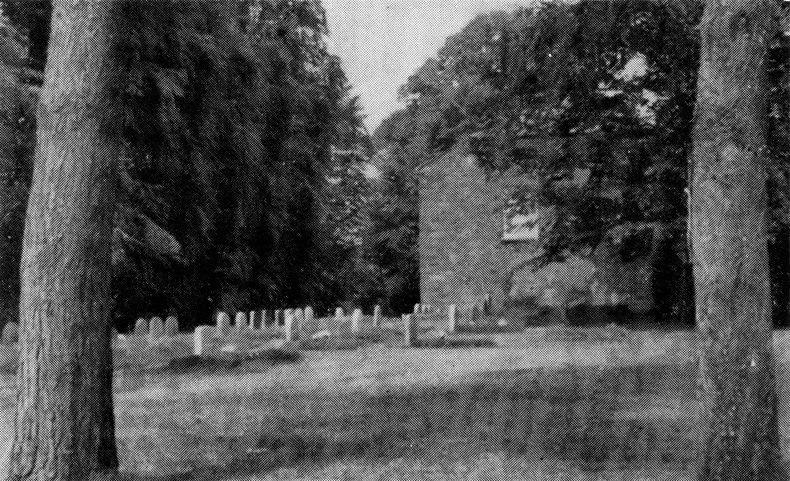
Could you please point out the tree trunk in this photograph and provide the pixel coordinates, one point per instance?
(64, 420)
(729, 226)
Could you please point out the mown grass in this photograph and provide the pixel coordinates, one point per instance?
(597, 420)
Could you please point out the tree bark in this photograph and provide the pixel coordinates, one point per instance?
(64, 420)
(729, 227)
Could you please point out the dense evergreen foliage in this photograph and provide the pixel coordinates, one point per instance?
(230, 115)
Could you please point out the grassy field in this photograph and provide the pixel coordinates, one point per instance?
(564, 404)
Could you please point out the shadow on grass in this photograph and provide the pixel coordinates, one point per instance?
(596, 419)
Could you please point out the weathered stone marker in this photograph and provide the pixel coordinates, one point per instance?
(309, 315)
(409, 330)
(291, 326)
(356, 321)
(201, 339)
(141, 327)
(278, 317)
(156, 328)
(417, 308)
(240, 322)
(171, 326)
(138, 339)
(377, 316)
(252, 319)
(452, 318)
(10, 333)
(223, 324)
(339, 314)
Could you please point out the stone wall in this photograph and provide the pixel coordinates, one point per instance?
(463, 257)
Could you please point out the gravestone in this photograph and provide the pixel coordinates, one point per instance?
(452, 318)
(10, 333)
(278, 317)
(141, 327)
(409, 330)
(251, 320)
(137, 342)
(223, 324)
(201, 339)
(266, 318)
(377, 316)
(309, 315)
(291, 326)
(240, 322)
(356, 320)
(417, 308)
(156, 328)
(171, 326)
(339, 314)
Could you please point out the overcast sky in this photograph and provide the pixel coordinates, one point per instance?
(382, 42)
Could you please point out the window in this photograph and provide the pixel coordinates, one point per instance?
(525, 220)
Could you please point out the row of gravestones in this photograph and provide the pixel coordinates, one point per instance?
(289, 319)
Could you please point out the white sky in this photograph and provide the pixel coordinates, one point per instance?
(382, 42)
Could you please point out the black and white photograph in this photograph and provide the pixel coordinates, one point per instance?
(476, 240)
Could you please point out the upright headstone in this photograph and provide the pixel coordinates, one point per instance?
(356, 320)
(137, 341)
(417, 308)
(240, 322)
(339, 314)
(156, 328)
(291, 326)
(141, 328)
(377, 316)
(223, 324)
(452, 318)
(252, 319)
(266, 318)
(278, 317)
(171, 326)
(201, 339)
(409, 331)
(309, 315)
(10, 333)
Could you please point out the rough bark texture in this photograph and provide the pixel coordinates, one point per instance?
(729, 227)
(64, 422)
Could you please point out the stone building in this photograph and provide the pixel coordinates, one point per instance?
(477, 240)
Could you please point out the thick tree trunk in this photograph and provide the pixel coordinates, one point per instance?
(64, 421)
(729, 227)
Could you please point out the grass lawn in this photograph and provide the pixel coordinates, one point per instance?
(544, 404)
